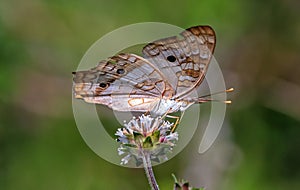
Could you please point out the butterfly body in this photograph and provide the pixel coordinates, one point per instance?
(170, 106)
(161, 81)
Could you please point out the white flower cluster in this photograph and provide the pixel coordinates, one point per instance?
(145, 134)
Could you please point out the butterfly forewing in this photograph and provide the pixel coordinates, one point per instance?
(183, 59)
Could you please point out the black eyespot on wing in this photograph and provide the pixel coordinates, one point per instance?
(171, 58)
(103, 85)
(120, 71)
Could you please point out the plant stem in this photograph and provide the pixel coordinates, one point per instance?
(149, 171)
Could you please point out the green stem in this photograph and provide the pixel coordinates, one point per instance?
(149, 171)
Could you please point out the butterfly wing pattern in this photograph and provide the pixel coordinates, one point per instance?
(162, 79)
(125, 82)
(184, 58)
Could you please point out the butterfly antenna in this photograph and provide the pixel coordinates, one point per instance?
(215, 93)
(203, 98)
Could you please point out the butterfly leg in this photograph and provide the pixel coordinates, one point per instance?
(176, 122)
(177, 118)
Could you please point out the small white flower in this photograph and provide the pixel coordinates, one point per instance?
(146, 134)
(125, 159)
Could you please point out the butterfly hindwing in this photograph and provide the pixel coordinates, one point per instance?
(125, 82)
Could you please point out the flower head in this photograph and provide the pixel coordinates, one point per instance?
(146, 135)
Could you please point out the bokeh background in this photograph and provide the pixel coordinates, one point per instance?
(258, 46)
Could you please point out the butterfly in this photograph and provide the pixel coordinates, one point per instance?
(160, 81)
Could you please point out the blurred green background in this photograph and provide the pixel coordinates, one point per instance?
(258, 46)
